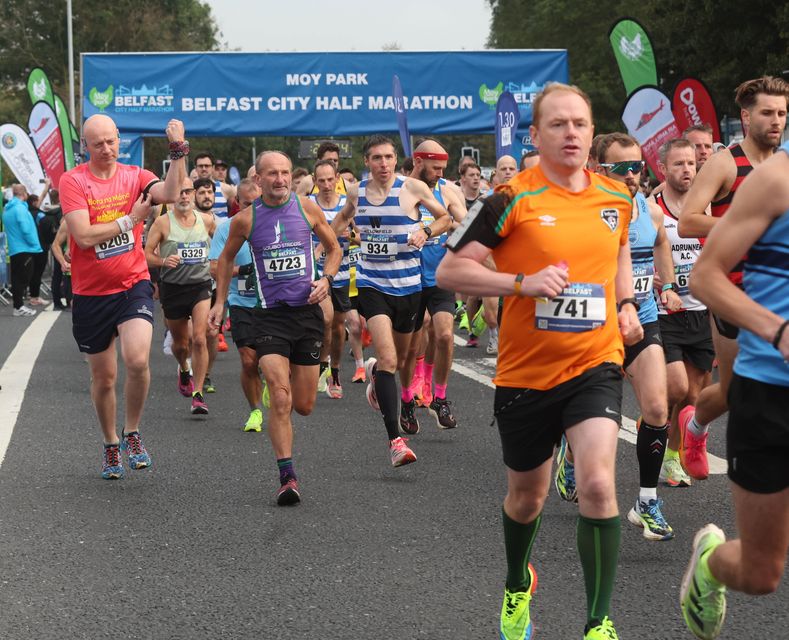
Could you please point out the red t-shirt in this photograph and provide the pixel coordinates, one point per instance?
(119, 263)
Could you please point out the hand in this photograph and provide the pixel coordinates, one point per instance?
(171, 262)
(670, 300)
(215, 318)
(142, 208)
(175, 131)
(546, 283)
(320, 290)
(417, 238)
(657, 281)
(629, 326)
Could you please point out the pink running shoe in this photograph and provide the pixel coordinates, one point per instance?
(185, 383)
(400, 453)
(692, 449)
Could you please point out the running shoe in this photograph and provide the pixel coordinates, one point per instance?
(266, 396)
(38, 302)
(199, 407)
(702, 598)
(564, 480)
(649, 517)
(464, 323)
(255, 421)
(368, 371)
(185, 383)
(288, 494)
(167, 345)
(24, 311)
(692, 448)
(672, 473)
(221, 343)
(472, 342)
(426, 397)
(439, 409)
(359, 375)
(111, 467)
(208, 386)
(334, 389)
(408, 422)
(493, 344)
(131, 444)
(323, 380)
(460, 310)
(603, 631)
(400, 453)
(478, 325)
(515, 619)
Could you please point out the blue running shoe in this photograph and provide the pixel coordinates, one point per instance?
(111, 467)
(564, 480)
(649, 517)
(132, 445)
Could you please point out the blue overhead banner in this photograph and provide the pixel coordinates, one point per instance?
(311, 94)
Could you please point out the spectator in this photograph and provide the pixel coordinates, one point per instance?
(23, 246)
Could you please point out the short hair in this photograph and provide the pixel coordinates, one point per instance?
(703, 128)
(199, 156)
(326, 146)
(747, 93)
(18, 189)
(375, 141)
(470, 165)
(594, 150)
(263, 154)
(324, 163)
(247, 183)
(299, 172)
(555, 87)
(533, 153)
(203, 182)
(463, 160)
(408, 165)
(345, 170)
(676, 143)
(617, 137)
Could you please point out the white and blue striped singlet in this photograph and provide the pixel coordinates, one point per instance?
(343, 277)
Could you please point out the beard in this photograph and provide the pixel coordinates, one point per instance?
(423, 178)
(204, 205)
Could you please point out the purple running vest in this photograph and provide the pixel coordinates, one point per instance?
(282, 254)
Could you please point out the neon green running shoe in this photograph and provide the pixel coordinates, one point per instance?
(464, 324)
(515, 619)
(702, 598)
(255, 421)
(266, 399)
(564, 478)
(478, 324)
(603, 631)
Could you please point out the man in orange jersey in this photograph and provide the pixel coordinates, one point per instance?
(566, 312)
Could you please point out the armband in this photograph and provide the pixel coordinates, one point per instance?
(518, 284)
(179, 149)
(125, 223)
(669, 286)
(780, 334)
(632, 301)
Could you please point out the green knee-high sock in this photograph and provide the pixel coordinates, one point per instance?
(598, 546)
(518, 540)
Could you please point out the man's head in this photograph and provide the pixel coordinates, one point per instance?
(325, 176)
(430, 162)
(273, 176)
(677, 161)
(101, 139)
(562, 127)
(594, 156)
(204, 165)
(347, 175)
(619, 158)
(186, 199)
(32, 202)
(19, 191)
(246, 193)
(763, 105)
(220, 170)
(530, 159)
(700, 136)
(380, 157)
(470, 175)
(506, 167)
(204, 194)
(329, 151)
(297, 175)
(464, 160)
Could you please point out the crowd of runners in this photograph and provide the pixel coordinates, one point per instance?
(580, 273)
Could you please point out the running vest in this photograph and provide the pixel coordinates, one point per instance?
(220, 209)
(388, 263)
(191, 245)
(434, 249)
(684, 253)
(766, 281)
(339, 188)
(281, 243)
(642, 235)
(343, 276)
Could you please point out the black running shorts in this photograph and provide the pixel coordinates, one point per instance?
(687, 336)
(293, 332)
(242, 326)
(401, 310)
(178, 300)
(340, 300)
(651, 336)
(434, 300)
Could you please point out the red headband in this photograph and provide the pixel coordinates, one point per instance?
(429, 155)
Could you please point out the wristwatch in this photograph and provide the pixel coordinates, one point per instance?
(632, 301)
(428, 231)
(330, 278)
(669, 286)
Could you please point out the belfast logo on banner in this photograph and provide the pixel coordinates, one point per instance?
(648, 118)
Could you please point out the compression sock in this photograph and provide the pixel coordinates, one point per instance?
(419, 367)
(335, 375)
(598, 547)
(518, 541)
(441, 391)
(406, 393)
(650, 446)
(386, 392)
(286, 471)
(427, 372)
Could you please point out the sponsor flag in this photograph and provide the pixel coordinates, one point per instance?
(40, 90)
(507, 117)
(648, 118)
(402, 116)
(44, 130)
(634, 54)
(70, 144)
(692, 104)
(20, 155)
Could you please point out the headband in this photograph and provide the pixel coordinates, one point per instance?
(429, 155)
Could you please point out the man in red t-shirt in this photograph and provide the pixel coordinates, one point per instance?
(104, 203)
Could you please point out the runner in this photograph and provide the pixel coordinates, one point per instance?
(103, 203)
(223, 192)
(757, 440)
(700, 136)
(330, 151)
(177, 244)
(386, 208)
(287, 326)
(763, 104)
(559, 368)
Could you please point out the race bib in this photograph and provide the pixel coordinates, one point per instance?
(192, 252)
(580, 307)
(682, 277)
(353, 256)
(378, 247)
(643, 277)
(122, 243)
(284, 263)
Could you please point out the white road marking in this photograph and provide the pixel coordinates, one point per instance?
(15, 374)
(627, 432)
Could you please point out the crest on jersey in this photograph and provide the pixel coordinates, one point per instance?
(610, 217)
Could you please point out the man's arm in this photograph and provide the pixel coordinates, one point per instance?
(240, 227)
(711, 183)
(44, 191)
(305, 186)
(346, 214)
(57, 246)
(170, 189)
(441, 222)
(209, 221)
(328, 240)
(664, 262)
(229, 190)
(155, 237)
(456, 204)
(629, 326)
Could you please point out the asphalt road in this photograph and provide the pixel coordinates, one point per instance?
(195, 547)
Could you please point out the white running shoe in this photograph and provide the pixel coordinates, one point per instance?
(24, 311)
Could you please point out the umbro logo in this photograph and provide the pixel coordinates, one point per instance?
(547, 221)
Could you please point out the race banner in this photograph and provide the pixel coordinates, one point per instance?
(20, 155)
(45, 132)
(130, 149)
(507, 118)
(634, 54)
(402, 116)
(648, 118)
(692, 104)
(40, 90)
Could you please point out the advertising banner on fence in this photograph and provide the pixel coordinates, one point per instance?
(313, 94)
(692, 104)
(648, 118)
(45, 131)
(20, 155)
(634, 54)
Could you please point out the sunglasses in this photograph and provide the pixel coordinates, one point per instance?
(623, 168)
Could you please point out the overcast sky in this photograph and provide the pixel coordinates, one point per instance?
(317, 25)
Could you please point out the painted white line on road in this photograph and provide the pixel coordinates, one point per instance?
(627, 432)
(15, 374)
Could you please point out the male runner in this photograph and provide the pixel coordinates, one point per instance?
(561, 348)
(177, 244)
(506, 168)
(287, 323)
(330, 151)
(700, 136)
(223, 192)
(763, 106)
(103, 203)
(388, 276)
(469, 182)
(757, 440)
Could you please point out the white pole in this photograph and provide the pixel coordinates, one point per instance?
(70, 62)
